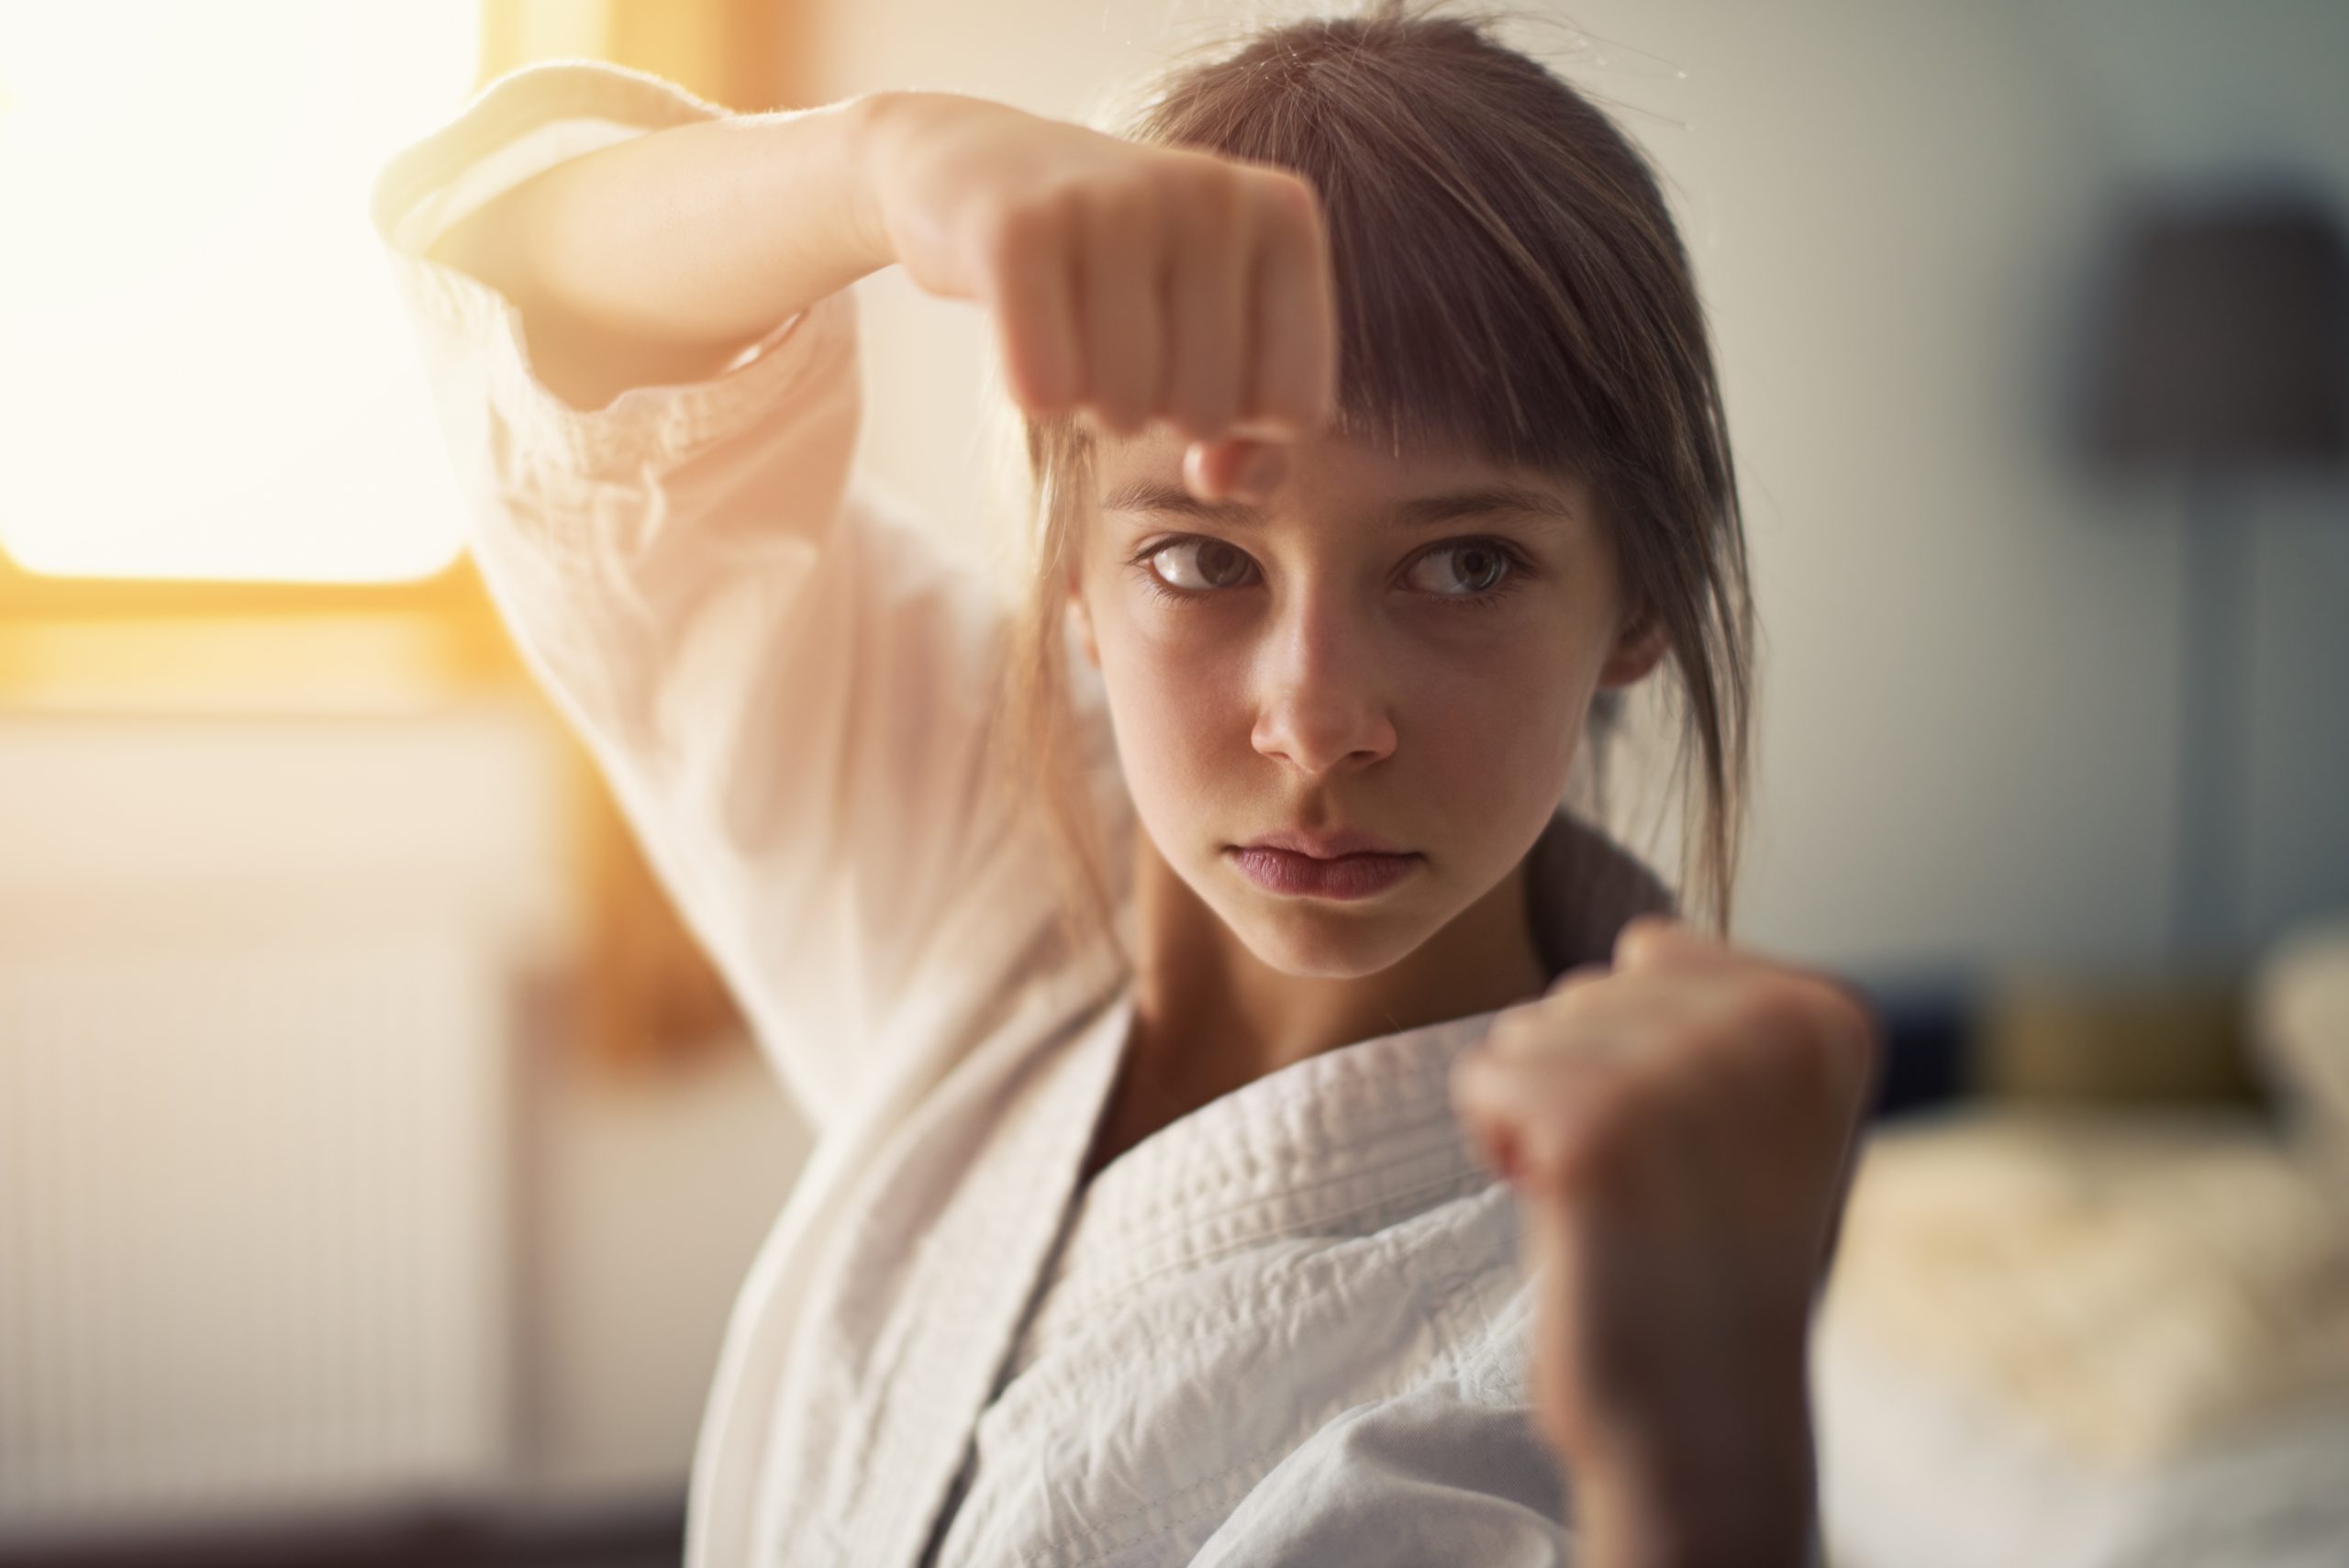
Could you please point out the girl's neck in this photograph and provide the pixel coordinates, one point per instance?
(1211, 1015)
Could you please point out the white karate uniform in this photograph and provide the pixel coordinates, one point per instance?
(1287, 1328)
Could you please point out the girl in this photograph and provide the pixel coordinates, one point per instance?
(1169, 964)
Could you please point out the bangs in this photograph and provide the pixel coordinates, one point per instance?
(1488, 269)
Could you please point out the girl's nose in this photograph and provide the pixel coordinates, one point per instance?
(1319, 706)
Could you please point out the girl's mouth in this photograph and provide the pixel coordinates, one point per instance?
(1307, 876)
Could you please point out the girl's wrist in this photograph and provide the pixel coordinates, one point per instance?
(1642, 1526)
(1747, 1498)
(872, 119)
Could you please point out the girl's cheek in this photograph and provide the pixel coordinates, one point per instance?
(1193, 652)
(1174, 628)
(1175, 702)
(1500, 731)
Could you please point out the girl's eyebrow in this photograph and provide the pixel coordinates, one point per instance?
(1151, 496)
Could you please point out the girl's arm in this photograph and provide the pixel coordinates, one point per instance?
(653, 405)
(729, 628)
(1680, 1128)
(660, 258)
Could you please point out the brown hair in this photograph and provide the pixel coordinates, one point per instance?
(1509, 286)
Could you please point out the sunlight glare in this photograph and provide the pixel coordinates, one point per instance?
(204, 372)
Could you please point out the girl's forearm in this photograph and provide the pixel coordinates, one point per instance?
(1742, 1509)
(659, 259)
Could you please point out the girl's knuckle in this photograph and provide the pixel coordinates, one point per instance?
(1512, 1034)
(1120, 211)
(1780, 1007)
(1572, 1004)
(1210, 192)
(1579, 975)
(1814, 1051)
(1642, 939)
(1290, 199)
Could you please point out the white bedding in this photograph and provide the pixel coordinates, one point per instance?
(2088, 1340)
(1915, 1473)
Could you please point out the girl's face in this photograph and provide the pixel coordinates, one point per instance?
(1405, 648)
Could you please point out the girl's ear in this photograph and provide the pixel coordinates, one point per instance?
(1639, 648)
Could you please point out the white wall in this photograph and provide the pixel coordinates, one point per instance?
(1968, 700)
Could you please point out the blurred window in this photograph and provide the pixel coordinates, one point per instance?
(207, 376)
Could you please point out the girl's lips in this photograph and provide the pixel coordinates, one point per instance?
(1343, 876)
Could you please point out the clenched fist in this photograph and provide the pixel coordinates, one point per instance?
(1127, 282)
(1679, 1127)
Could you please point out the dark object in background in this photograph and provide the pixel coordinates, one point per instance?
(2223, 353)
(1928, 1031)
(2061, 1038)
(2227, 338)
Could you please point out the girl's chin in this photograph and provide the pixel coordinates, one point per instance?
(1328, 942)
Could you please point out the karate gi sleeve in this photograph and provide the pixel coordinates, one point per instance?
(787, 685)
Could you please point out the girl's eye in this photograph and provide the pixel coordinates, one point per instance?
(1477, 568)
(1213, 564)
(1466, 571)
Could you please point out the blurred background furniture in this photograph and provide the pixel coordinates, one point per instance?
(2096, 1314)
